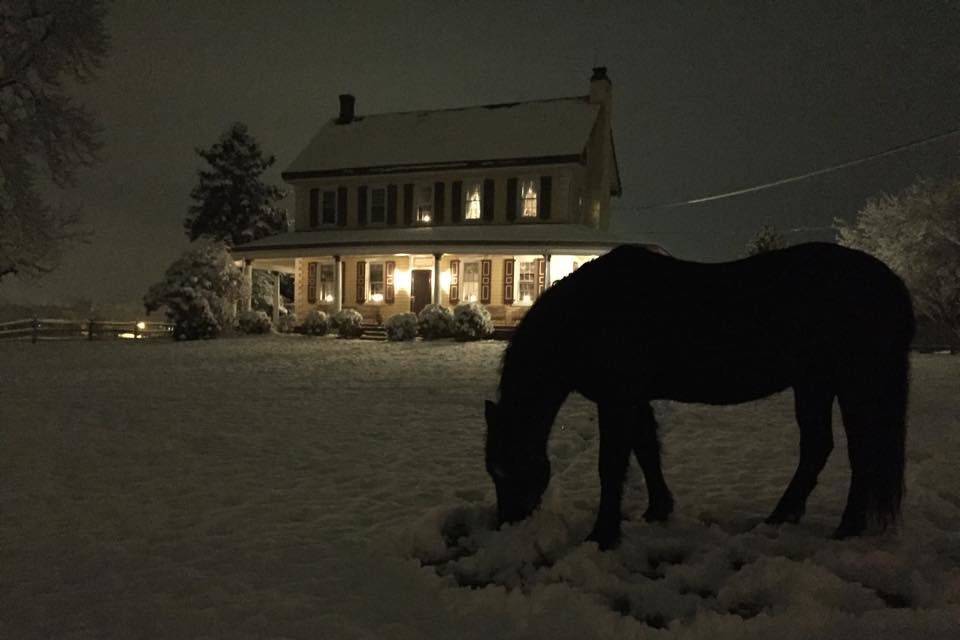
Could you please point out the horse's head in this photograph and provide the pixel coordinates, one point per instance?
(517, 463)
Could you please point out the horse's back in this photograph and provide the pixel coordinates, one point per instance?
(735, 331)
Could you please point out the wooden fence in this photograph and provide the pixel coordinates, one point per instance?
(52, 328)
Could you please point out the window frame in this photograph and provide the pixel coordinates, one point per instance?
(370, 191)
(323, 207)
(417, 203)
(369, 282)
(463, 280)
(521, 214)
(321, 282)
(467, 184)
(518, 281)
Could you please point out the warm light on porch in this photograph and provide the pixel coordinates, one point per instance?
(141, 325)
(401, 278)
(328, 298)
(377, 297)
(445, 280)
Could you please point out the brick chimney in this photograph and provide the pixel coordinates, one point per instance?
(347, 103)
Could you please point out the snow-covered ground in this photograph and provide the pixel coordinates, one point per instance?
(287, 487)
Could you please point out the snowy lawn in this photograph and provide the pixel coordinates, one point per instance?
(316, 488)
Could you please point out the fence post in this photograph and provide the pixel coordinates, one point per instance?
(36, 329)
(136, 330)
(90, 329)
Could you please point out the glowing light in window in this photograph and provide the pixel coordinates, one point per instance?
(401, 278)
(328, 298)
(445, 280)
(377, 297)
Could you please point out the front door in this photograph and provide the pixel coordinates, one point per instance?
(421, 289)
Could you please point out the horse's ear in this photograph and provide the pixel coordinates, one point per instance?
(492, 413)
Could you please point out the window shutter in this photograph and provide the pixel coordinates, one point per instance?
(341, 206)
(311, 282)
(508, 266)
(544, 199)
(541, 275)
(454, 281)
(488, 199)
(388, 293)
(314, 207)
(392, 204)
(511, 199)
(361, 282)
(438, 202)
(485, 271)
(362, 206)
(456, 201)
(408, 204)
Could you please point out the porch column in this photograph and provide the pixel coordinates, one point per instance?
(246, 288)
(436, 277)
(276, 298)
(546, 271)
(337, 283)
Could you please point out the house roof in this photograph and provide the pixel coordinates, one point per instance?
(541, 131)
(517, 239)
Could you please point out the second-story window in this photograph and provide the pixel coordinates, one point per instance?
(329, 207)
(471, 203)
(425, 203)
(528, 198)
(378, 205)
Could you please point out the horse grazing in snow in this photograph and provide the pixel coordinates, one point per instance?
(828, 321)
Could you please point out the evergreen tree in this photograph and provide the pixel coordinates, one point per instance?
(767, 239)
(233, 204)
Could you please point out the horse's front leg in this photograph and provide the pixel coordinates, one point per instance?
(646, 446)
(615, 446)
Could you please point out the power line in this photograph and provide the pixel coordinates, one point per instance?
(797, 178)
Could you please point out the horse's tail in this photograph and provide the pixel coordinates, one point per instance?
(875, 419)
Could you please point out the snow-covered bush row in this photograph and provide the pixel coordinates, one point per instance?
(402, 326)
(254, 322)
(347, 322)
(315, 324)
(287, 323)
(471, 321)
(435, 321)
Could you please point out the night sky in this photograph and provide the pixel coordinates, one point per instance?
(708, 97)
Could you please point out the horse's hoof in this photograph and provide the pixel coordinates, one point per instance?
(776, 518)
(845, 532)
(605, 540)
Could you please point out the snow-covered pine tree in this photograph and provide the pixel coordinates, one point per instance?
(917, 233)
(198, 291)
(233, 204)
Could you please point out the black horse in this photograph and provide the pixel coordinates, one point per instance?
(634, 326)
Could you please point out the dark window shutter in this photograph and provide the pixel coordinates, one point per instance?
(438, 202)
(488, 199)
(511, 199)
(454, 281)
(508, 265)
(362, 206)
(456, 201)
(314, 207)
(388, 290)
(341, 206)
(392, 204)
(541, 275)
(544, 198)
(361, 282)
(408, 204)
(485, 272)
(311, 282)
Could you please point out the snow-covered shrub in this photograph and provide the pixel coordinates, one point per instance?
(471, 321)
(197, 292)
(315, 324)
(402, 326)
(435, 321)
(254, 322)
(347, 323)
(287, 323)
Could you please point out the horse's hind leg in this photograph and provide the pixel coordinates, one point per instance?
(616, 422)
(814, 406)
(646, 447)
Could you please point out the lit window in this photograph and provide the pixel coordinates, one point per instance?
(528, 198)
(378, 205)
(527, 281)
(471, 208)
(470, 283)
(327, 282)
(376, 281)
(329, 207)
(425, 203)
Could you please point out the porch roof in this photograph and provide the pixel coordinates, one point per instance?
(481, 238)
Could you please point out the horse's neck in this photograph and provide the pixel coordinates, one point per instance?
(532, 385)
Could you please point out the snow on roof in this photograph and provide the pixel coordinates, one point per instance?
(538, 129)
(534, 238)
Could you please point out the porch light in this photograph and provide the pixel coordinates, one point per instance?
(401, 278)
(425, 218)
(141, 325)
(328, 297)
(445, 280)
(377, 297)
